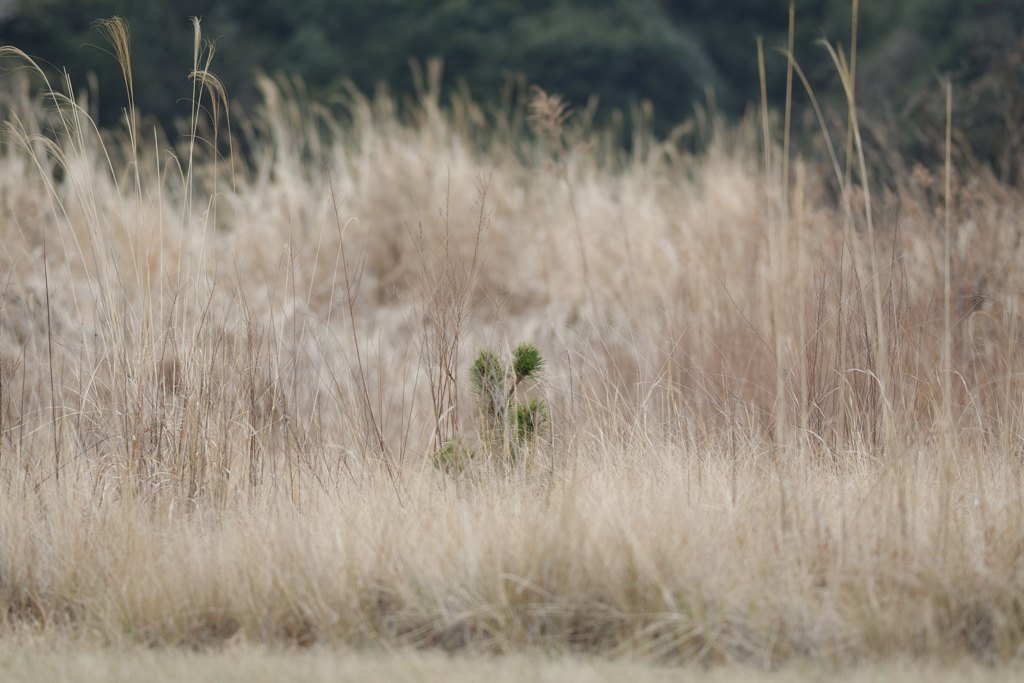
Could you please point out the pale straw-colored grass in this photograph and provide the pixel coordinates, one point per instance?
(235, 445)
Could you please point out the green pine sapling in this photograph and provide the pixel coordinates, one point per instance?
(495, 383)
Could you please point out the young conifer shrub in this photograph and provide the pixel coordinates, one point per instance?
(453, 456)
(507, 420)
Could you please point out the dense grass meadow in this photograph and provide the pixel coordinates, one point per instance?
(779, 421)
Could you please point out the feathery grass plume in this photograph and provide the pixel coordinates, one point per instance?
(547, 117)
(548, 114)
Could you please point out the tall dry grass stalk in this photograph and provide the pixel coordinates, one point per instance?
(253, 362)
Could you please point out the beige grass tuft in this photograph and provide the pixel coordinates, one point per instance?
(243, 357)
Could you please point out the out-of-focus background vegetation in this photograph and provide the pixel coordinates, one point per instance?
(669, 52)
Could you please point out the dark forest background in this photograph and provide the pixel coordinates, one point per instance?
(669, 52)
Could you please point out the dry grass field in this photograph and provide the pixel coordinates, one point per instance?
(258, 664)
(780, 420)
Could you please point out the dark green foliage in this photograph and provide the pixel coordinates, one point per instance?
(526, 361)
(453, 457)
(624, 51)
(531, 419)
(487, 369)
(61, 33)
(494, 384)
(489, 376)
(620, 50)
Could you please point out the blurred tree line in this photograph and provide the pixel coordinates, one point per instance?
(670, 52)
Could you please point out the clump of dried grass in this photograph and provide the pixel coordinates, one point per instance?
(244, 402)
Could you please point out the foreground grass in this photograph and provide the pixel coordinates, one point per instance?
(221, 388)
(246, 664)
